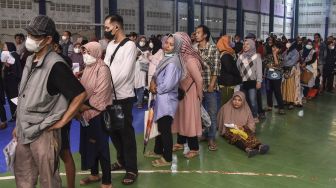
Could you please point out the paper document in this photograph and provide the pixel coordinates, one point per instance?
(14, 100)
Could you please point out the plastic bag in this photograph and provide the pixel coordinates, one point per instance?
(206, 121)
(9, 152)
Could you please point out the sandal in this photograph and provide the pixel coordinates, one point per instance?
(178, 147)
(281, 112)
(129, 178)
(87, 180)
(191, 154)
(212, 146)
(116, 166)
(161, 162)
(251, 152)
(152, 154)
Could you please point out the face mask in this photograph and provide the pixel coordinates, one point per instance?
(232, 44)
(142, 44)
(308, 46)
(288, 45)
(331, 47)
(64, 37)
(151, 45)
(32, 45)
(88, 60)
(109, 35)
(76, 50)
(169, 55)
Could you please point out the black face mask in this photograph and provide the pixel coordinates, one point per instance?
(108, 35)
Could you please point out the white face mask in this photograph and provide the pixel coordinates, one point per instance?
(288, 45)
(32, 45)
(308, 46)
(331, 47)
(169, 55)
(64, 37)
(151, 45)
(88, 60)
(142, 44)
(76, 50)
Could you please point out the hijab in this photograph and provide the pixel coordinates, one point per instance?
(248, 54)
(187, 51)
(223, 45)
(239, 116)
(157, 45)
(305, 51)
(95, 49)
(142, 48)
(173, 58)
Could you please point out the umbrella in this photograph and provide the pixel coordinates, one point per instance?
(149, 124)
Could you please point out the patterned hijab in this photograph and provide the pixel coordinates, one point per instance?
(239, 116)
(187, 51)
(248, 54)
(223, 45)
(172, 57)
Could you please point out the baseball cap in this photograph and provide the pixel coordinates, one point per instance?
(41, 25)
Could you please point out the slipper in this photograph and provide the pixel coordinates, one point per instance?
(251, 152)
(160, 162)
(87, 180)
(178, 147)
(191, 154)
(116, 166)
(129, 178)
(263, 149)
(152, 154)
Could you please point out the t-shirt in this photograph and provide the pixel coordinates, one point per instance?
(61, 80)
(122, 68)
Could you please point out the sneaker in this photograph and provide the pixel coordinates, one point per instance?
(263, 149)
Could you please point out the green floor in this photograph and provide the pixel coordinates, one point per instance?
(303, 154)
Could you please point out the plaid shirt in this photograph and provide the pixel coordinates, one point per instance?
(211, 64)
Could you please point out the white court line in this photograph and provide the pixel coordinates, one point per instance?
(183, 172)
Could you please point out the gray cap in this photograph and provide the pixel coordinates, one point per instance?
(41, 25)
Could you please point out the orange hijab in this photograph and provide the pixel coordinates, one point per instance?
(223, 45)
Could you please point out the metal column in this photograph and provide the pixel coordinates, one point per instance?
(141, 17)
(113, 7)
(191, 17)
(240, 23)
(97, 18)
(42, 7)
(296, 19)
(271, 17)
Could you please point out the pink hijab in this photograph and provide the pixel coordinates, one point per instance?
(239, 116)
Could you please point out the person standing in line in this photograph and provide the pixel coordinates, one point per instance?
(122, 71)
(66, 44)
(211, 70)
(49, 97)
(187, 122)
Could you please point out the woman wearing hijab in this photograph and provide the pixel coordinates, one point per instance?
(141, 69)
(237, 126)
(290, 83)
(94, 146)
(229, 75)
(155, 59)
(165, 85)
(250, 67)
(12, 72)
(154, 45)
(187, 122)
(77, 59)
(308, 66)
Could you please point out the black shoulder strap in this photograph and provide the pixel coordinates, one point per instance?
(115, 51)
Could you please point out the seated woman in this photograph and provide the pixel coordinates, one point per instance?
(236, 124)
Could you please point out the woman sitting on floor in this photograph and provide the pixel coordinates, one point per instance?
(236, 124)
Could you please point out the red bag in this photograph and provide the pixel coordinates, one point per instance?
(312, 93)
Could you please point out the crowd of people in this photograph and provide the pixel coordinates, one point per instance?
(57, 80)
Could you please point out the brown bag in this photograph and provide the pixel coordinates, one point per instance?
(306, 75)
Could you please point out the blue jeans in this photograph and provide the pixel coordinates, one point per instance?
(140, 95)
(210, 105)
(251, 97)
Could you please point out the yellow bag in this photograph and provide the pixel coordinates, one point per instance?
(241, 133)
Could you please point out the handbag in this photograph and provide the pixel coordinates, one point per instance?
(305, 77)
(113, 115)
(182, 93)
(273, 74)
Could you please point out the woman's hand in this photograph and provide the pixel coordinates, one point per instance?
(258, 86)
(153, 87)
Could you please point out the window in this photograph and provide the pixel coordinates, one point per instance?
(10, 24)
(17, 23)
(3, 3)
(16, 4)
(29, 4)
(9, 3)
(4, 23)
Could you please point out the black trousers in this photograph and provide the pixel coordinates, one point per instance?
(328, 82)
(192, 142)
(164, 141)
(124, 139)
(106, 169)
(274, 87)
(3, 117)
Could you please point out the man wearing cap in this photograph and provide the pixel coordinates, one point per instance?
(49, 97)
